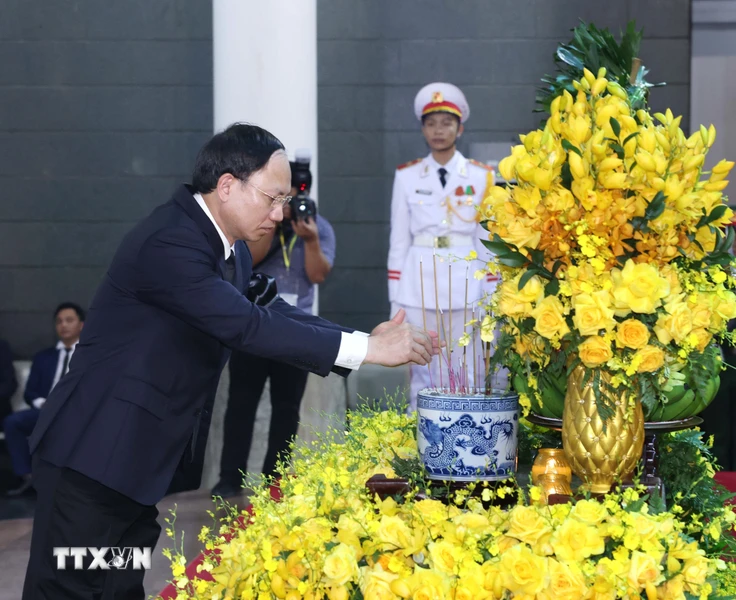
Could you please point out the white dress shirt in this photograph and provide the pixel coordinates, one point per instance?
(39, 402)
(353, 346)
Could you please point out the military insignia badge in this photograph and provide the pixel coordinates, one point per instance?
(459, 191)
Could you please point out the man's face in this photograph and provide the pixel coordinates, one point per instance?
(441, 130)
(68, 326)
(248, 209)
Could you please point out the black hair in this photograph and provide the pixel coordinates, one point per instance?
(241, 150)
(443, 112)
(70, 305)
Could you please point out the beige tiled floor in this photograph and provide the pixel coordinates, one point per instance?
(191, 514)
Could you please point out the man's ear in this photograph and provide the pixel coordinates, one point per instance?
(460, 130)
(225, 186)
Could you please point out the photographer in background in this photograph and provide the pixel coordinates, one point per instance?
(298, 255)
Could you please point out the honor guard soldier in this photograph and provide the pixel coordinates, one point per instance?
(434, 210)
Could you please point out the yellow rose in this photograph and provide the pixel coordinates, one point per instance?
(700, 311)
(724, 305)
(651, 357)
(394, 533)
(590, 512)
(632, 333)
(341, 565)
(429, 585)
(695, 572)
(673, 589)
(515, 302)
(444, 556)
(670, 274)
(676, 324)
(595, 351)
(566, 582)
(521, 234)
(527, 525)
(550, 321)
(575, 541)
(643, 569)
(523, 572)
(638, 287)
(593, 312)
(376, 584)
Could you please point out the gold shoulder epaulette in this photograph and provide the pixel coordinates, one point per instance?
(408, 164)
(480, 164)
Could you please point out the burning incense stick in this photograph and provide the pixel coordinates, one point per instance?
(437, 309)
(447, 356)
(424, 317)
(475, 354)
(465, 320)
(449, 308)
(487, 354)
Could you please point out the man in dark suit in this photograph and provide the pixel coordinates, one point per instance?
(157, 335)
(47, 368)
(8, 381)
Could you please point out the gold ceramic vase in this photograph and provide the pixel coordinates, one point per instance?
(600, 458)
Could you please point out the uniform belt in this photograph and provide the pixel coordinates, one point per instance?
(443, 241)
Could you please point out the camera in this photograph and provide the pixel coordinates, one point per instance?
(302, 206)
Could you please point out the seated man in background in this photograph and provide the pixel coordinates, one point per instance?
(8, 382)
(298, 255)
(48, 367)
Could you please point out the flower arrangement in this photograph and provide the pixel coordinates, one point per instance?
(613, 251)
(329, 539)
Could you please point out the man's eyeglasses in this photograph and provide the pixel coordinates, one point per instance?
(276, 202)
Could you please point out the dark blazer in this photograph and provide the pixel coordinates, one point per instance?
(155, 340)
(8, 382)
(41, 377)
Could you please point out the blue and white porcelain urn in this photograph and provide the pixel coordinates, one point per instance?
(468, 437)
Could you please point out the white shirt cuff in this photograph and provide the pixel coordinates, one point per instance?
(353, 350)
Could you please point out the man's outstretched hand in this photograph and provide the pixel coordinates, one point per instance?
(395, 343)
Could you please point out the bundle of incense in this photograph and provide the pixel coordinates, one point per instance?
(424, 317)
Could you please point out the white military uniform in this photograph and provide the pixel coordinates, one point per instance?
(429, 219)
(432, 222)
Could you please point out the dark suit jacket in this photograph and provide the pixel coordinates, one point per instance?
(8, 382)
(41, 377)
(154, 343)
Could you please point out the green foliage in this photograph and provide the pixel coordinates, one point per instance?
(593, 48)
(687, 466)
